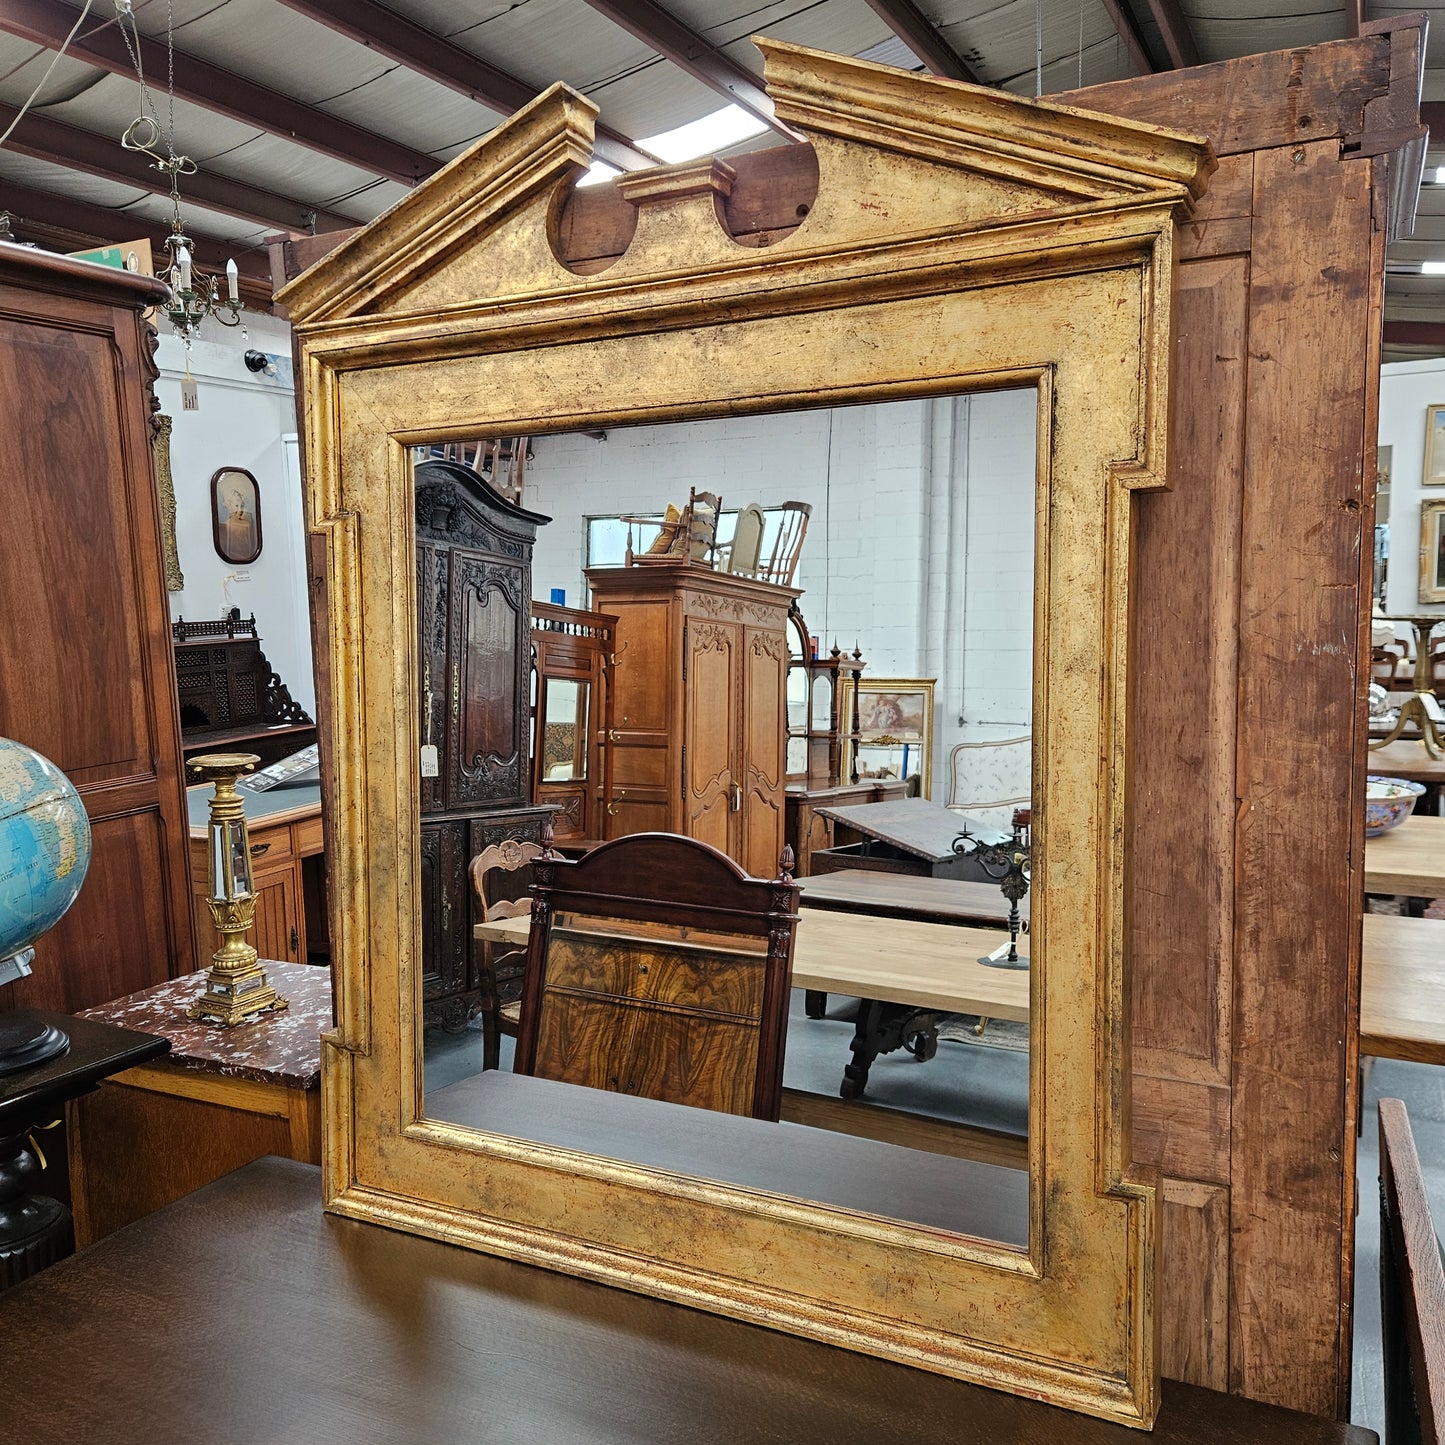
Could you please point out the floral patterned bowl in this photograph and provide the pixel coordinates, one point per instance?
(1388, 802)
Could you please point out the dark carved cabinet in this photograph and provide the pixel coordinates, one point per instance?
(474, 584)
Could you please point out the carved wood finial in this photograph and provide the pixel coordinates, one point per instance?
(785, 864)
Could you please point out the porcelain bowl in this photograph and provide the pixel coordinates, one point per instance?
(1388, 802)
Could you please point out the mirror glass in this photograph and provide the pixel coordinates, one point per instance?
(906, 1059)
(564, 730)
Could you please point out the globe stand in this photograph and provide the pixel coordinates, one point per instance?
(25, 1039)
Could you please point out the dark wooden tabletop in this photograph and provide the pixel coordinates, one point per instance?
(907, 895)
(243, 1315)
(97, 1050)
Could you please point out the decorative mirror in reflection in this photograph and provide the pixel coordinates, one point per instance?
(938, 249)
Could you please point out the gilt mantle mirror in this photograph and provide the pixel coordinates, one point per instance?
(920, 240)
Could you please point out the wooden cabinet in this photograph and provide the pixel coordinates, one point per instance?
(698, 719)
(86, 675)
(287, 872)
(474, 587)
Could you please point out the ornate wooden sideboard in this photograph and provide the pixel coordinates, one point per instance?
(474, 588)
(86, 675)
(698, 707)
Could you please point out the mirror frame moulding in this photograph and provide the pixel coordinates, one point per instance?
(961, 239)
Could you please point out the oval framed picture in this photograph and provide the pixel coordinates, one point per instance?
(236, 515)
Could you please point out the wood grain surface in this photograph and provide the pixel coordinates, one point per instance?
(1402, 988)
(1409, 859)
(391, 1339)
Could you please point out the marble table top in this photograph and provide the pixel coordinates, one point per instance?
(278, 1048)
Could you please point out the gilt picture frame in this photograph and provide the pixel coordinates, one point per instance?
(1022, 244)
(895, 728)
(1432, 551)
(1432, 473)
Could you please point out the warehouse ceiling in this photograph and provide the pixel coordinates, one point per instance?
(307, 115)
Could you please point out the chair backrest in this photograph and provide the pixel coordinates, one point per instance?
(1412, 1290)
(508, 856)
(783, 557)
(747, 544)
(992, 773)
(657, 967)
(703, 511)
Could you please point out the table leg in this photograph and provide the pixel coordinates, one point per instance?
(879, 1029)
(34, 1231)
(815, 1003)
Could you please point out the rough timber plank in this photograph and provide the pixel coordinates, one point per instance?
(1317, 91)
(1297, 880)
(1193, 1293)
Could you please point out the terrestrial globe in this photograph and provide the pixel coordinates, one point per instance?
(44, 855)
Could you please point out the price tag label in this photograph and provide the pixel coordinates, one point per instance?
(429, 766)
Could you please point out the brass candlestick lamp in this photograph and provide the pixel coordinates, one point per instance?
(237, 988)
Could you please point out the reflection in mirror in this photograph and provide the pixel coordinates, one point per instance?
(564, 730)
(903, 1042)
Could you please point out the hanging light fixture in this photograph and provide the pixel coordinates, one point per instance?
(194, 294)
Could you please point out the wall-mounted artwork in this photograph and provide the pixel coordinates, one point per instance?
(1432, 551)
(1434, 473)
(895, 729)
(236, 515)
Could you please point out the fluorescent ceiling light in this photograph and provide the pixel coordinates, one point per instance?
(1432, 268)
(703, 137)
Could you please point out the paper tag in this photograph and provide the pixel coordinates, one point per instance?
(1000, 952)
(429, 767)
(190, 396)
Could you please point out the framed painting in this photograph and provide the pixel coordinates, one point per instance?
(894, 729)
(1433, 474)
(1432, 551)
(236, 515)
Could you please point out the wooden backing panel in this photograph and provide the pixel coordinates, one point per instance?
(74, 629)
(113, 941)
(140, 1150)
(1298, 848)
(1226, 237)
(1181, 1127)
(1183, 738)
(1230, 193)
(1193, 1284)
(1277, 99)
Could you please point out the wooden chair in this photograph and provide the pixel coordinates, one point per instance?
(507, 857)
(990, 779)
(746, 548)
(1412, 1291)
(783, 559)
(703, 511)
(657, 967)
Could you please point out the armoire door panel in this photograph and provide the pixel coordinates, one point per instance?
(765, 665)
(433, 591)
(114, 940)
(444, 887)
(484, 682)
(72, 630)
(710, 762)
(644, 670)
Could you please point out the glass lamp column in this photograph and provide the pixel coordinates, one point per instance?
(237, 988)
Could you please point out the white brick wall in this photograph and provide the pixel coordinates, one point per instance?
(920, 546)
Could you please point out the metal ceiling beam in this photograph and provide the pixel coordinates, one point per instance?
(1415, 333)
(689, 51)
(1178, 37)
(924, 39)
(99, 155)
(1128, 30)
(429, 54)
(48, 22)
(43, 215)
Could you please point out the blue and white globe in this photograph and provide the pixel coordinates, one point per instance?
(44, 850)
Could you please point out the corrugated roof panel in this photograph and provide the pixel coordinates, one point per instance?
(43, 176)
(22, 66)
(1000, 42)
(407, 107)
(1224, 29)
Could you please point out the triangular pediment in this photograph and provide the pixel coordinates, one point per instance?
(899, 156)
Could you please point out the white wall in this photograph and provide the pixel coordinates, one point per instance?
(1406, 389)
(920, 547)
(244, 420)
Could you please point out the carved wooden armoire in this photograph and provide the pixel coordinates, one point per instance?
(698, 707)
(86, 675)
(474, 588)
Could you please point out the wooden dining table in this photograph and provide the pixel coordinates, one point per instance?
(1402, 988)
(1408, 760)
(1409, 859)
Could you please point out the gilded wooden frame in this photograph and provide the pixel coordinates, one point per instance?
(921, 737)
(1432, 551)
(960, 238)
